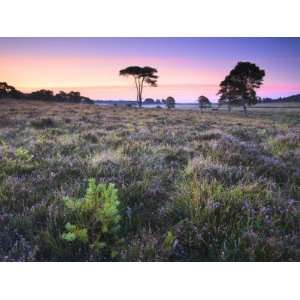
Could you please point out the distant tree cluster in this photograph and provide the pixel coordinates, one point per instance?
(293, 98)
(7, 91)
(46, 95)
(149, 101)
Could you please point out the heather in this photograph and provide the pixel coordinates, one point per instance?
(81, 182)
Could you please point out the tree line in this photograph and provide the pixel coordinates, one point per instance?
(8, 91)
(293, 98)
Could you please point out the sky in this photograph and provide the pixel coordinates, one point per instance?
(187, 67)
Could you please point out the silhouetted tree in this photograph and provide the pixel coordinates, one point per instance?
(203, 102)
(86, 100)
(170, 102)
(42, 95)
(8, 91)
(75, 96)
(70, 97)
(238, 88)
(141, 75)
(62, 96)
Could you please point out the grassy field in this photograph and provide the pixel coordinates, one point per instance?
(187, 186)
(290, 107)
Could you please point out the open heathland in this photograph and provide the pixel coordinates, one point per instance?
(81, 182)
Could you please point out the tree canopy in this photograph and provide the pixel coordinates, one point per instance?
(8, 91)
(238, 87)
(170, 102)
(203, 102)
(142, 75)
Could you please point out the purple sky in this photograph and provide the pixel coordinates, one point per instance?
(188, 67)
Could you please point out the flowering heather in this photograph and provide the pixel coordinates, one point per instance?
(191, 186)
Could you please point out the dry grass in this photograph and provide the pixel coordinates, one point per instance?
(212, 186)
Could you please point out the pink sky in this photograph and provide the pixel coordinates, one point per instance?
(187, 67)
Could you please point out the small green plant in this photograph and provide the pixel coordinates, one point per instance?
(169, 241)
(13, 162)
(279, 146)
(74, 233)
(95, 218)
(23, 154)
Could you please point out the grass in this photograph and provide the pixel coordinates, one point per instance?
(191, 186)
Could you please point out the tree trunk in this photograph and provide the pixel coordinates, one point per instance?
(139, 92)
(245, 109)
(140, 100)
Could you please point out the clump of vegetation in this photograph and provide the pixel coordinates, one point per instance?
(235, 223)
(20, 161)
(280, 145)
(187, 186)
(86, 228)
(94, 219)
(43, 123)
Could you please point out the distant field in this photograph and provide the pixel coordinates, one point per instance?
(277, 107)
(188, 186)
(270, 107)
(278, 104)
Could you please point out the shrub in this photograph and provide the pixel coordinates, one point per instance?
(90, 137)
(281, 144)
(43, 123)
(83, 229)
(21, 161)
(23, 154)
(94, 220)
